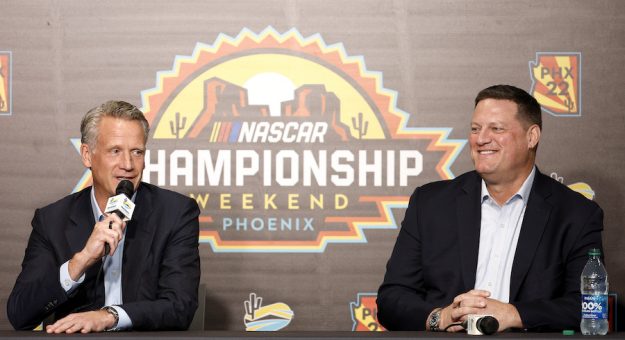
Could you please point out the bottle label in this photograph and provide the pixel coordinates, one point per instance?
(594, 306)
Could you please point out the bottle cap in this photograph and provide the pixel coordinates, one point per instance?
(594, 252)
(568, 332)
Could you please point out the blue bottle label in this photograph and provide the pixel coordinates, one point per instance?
(594, 306)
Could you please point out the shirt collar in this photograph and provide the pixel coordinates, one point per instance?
(94, 206)
(523, 193)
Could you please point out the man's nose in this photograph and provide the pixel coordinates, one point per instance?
(127, 163)
(483, 137)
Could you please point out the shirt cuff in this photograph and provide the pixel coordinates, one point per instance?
(66, 281)
(124, 322)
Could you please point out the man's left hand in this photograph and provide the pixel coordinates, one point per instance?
(87, 322)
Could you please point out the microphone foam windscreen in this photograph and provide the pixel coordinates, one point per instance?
(125, 187)
(487, 325)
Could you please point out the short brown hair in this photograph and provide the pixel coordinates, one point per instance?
(528, 108)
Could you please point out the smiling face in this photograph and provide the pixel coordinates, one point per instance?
(118, 154)
(502, 147)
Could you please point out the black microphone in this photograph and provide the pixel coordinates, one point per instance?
(125, 187)
(481, 324)
(487, 325)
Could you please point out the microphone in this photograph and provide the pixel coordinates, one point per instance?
(481, 324)
(120, 205)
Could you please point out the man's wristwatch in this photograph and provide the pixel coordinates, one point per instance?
(114, 313)
(435, 320)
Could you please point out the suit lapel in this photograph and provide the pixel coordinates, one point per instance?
(139, 234)
(534, 222)
(469, 215)
(81, 222)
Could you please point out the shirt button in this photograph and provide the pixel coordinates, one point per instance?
(66, 283)
(114, 274)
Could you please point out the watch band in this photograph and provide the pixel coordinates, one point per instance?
(114, 313)
(435, 320)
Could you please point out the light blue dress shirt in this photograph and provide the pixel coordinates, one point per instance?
(499, 235)
(112, 274)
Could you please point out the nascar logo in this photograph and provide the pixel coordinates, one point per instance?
(288, 144)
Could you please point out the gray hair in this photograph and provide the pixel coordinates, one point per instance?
(89, 127)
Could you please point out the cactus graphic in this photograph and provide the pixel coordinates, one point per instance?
(358, 125)
(179, 125)
(252, 305)
(569, 104)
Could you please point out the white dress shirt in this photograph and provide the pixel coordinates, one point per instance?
(499, 235)
(112, 274)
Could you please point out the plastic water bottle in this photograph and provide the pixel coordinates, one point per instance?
(594, 287)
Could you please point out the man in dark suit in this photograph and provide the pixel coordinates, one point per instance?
(503, 240)
(150, 276)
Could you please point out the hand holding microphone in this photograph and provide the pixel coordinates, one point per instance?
(107, 231)
(120, 205)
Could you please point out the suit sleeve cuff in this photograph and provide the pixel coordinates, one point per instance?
(66, 281)
(124, 322)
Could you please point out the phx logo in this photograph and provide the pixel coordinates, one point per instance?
(556, 83)
(287, 144)
(5, 83)
(365, 313)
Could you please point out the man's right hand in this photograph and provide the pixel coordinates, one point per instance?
(86, 322)
(94, 249)
(471, 302)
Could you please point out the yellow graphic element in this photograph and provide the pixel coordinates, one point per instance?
(4, 99)
(580, 187)
(583, 189)
(265, 318)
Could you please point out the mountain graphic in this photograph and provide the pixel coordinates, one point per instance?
(228, 102)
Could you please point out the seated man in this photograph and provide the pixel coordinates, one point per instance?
(504, 239)
(151, 273)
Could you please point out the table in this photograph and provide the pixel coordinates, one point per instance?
(233, 335)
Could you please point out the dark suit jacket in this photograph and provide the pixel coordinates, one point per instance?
(160, 265)
(436, 252)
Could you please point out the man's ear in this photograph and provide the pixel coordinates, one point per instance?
(533, 136)
(85, 155)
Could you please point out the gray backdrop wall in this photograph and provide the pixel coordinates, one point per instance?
(376, 96)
